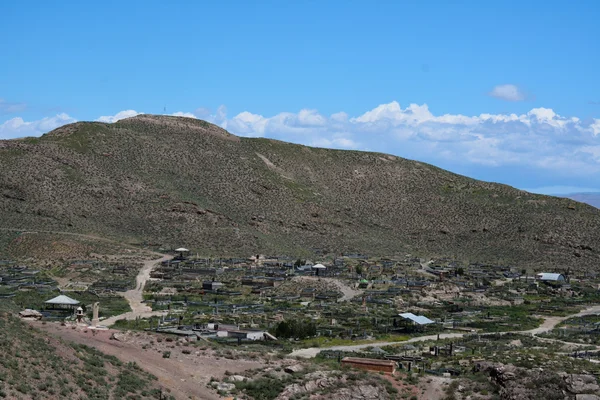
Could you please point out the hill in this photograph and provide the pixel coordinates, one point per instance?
(173, 181)
(35, 365)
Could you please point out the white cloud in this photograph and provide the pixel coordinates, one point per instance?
(118, 116)
(540, 139)
(207, 115)
(183, 114)
(508, 93)
(17, 127)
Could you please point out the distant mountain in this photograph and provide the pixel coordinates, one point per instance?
(174, 181)
(592, 199)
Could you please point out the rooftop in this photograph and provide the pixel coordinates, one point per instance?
(369, 361)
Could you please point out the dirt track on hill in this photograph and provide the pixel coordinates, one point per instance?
(185, 375)
(135, 296)
(347, 292)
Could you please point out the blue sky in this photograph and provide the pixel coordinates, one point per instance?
(500, 91)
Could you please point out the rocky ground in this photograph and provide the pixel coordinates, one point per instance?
(186, 372)
(523, 384)
(221, 194)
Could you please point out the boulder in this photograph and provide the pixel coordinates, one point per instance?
(225, 387)
(293, 368)
(581, 384)
(586, 397)
(119, 337)
(30, 314)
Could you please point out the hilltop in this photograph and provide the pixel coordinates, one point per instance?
(171, 181)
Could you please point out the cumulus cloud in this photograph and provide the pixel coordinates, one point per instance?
(542, 140)
(118, 116)
(508, 92)
(183, 114)
(17, 127)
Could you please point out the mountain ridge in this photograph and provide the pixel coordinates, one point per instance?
(174, 181)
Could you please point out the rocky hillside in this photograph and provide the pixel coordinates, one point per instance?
(172, 181)
(37, 366)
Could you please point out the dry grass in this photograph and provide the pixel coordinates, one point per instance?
(169, 181)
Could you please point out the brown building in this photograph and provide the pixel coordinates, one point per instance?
(370, 364)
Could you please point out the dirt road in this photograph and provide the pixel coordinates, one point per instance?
(551, 322)
(135, 296)
(348, 292)
(548, 324)
(185, 375)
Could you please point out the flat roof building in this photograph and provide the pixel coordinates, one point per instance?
(370, 364)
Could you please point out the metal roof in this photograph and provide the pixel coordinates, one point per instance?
(418, 319)
(546, 276)
(62, 299)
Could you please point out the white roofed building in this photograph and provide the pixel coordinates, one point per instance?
(62, 301)
(550, 277)
(417, 319)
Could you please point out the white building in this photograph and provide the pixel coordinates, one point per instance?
(550, 277)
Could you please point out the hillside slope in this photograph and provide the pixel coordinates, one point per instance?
(593, 199)
(175, 181)
(38, 366)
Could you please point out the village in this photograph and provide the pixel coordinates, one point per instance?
(401, 316)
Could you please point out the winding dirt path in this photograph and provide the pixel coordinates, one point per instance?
(548, 324)
(135, 296)
(348, 293)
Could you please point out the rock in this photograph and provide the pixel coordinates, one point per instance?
(237, 378)
(293, 368)
(119, 337)
(581, 384)
(225, 387)
(586, 397)
(30, 314)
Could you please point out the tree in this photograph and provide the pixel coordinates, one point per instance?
(296, 329)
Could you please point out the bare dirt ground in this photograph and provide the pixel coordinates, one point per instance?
(135, 296)
(347, 291)
(313, 351)
(433, 387)
(186, 375)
